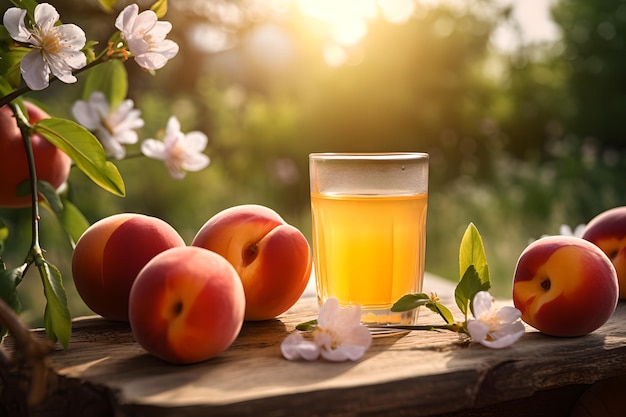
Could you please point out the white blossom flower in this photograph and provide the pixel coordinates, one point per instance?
(494, 328)
(113, 127)
(339, 336)
(145, 37)
(56, 48)
(181, 152)
(566, 230)
(297, 347)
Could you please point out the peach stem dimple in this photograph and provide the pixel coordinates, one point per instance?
(250, 253)
(177, 309)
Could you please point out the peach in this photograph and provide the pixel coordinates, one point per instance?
(51, 164)
(608, 231)
(565, 286)
(187, 305)
(272, 258)
(110, 254)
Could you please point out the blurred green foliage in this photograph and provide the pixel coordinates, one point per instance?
(520, 142)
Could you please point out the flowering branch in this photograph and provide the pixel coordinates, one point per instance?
(8, 98)
(489, 327)
(57, 315)
(46, 51)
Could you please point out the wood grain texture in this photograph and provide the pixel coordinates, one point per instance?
(417, 373)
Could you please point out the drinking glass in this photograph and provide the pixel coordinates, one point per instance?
(369, 230)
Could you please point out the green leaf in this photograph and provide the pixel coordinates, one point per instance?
(58, 321)
(107, 5)
(472, 252)
(467, 288)
(438, 308)
(4, 235)
(71, 219)
(10, 59)
(5, 85)
(307, 325)
(111, 79)
(85, 150)
(9, 280)
(28, 5)
(90, 51)
(160, 8)
(410, 302)
(50, 194)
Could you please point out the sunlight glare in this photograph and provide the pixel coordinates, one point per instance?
(397, 11)
(346, 18)
(335, 55)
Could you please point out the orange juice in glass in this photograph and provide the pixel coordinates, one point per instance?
(369, 226)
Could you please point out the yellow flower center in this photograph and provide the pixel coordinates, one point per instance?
(51, 44)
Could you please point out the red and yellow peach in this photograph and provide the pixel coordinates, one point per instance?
(272, 258)
(565, 286)
(186, 305)
(52, 165)
(110, 254)
(608, 231)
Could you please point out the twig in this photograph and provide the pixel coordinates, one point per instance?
(29, 351)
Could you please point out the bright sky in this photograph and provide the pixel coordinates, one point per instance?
(347, 20)
(534, 18)
(347, 23)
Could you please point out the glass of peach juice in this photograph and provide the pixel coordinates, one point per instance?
(369, 231)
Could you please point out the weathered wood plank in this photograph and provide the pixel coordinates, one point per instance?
(421, 373)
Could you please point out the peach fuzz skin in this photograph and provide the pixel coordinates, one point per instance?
(52, 165)
(187, 305)
(272, 258)
(565, 286)
(608, 231)
(110, 254)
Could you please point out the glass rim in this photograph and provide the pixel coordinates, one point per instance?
(374, 156)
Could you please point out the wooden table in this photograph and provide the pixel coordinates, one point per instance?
(105, 372)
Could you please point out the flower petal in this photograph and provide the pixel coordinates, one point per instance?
(514, 332)
(126, 19)
(13, 21)
(195, 162)
(359, 336)
(113, 127)
(195, 141)
(151, 60)
(508, 314)
(153, 148)
(329, 310)
(34, 70)
(173, 126)
(168, 48)
(82, 114)
(60, 69)
(344, 353)
(478, 330)
(110, 143)
(579, 231)
(45, 16)
(160, 30)
(71, 36)
(482, 303)
(127, 137)
(145, 37)
(296, 347)
(175, 171)
(144, 23)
